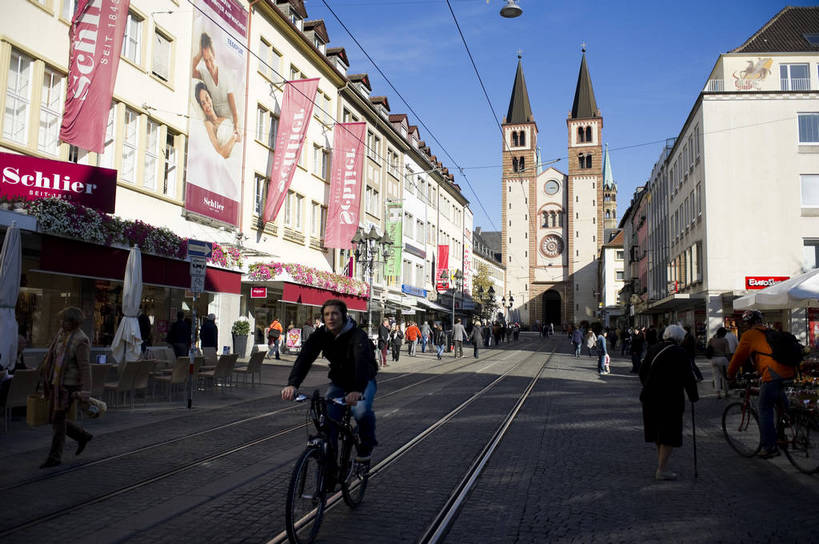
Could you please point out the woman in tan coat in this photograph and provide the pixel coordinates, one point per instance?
(66, 375)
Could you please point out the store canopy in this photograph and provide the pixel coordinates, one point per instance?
(10, 266)
(797, 292)
(313, 296)
(432, 305)
(128, 340)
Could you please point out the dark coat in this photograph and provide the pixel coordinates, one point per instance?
(383, 336)
(209, 334)
(666, 376)
(439, 337)
(396, 338)
(351, 357)
(476, 337)
(306, 332)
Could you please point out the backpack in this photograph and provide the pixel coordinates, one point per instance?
(785, 348)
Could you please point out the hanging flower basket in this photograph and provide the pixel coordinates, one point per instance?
(306, 275)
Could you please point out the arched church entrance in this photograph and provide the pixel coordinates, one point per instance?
(551, 308)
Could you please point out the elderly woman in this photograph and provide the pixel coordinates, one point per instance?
(66, 375)
(665, 374)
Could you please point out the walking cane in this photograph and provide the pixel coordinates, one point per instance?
(694, 437)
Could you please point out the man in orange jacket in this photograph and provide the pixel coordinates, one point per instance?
(754, 346)
(413, 334)
(274, 336)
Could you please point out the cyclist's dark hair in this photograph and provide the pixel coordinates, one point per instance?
(338, 304)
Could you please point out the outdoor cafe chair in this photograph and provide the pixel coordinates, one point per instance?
(178, 375)
(146, 366)
(125, 382)
(211, 358)
(253, 367)
(98, 375)
(223, 370)
(23, 384)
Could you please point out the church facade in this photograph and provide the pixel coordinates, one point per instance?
(554, 222)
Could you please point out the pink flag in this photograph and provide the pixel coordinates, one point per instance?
(297, 107)
(345, 184)
(442, 283)
(96, 35)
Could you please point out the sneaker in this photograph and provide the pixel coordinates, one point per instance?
(665, 475)
(767, 454)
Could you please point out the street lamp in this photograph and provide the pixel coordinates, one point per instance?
(370, 250)
(490, 301)
(457, 284)
(511, 10)
(508, 305)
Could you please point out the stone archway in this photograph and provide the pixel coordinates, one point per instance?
(552, 311)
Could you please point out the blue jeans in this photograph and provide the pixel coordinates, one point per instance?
(770, 394)
(274, 348)
(577, 349)
(362, 412)
(601, 363)
(423, 343)
(440, 349)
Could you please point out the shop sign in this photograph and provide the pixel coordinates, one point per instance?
(258, 292)
(761, 282)
(412, 250)
(31, 178)
(412, 290)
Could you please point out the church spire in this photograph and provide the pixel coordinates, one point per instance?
(584, 105)
(608, 177)
(519, 109)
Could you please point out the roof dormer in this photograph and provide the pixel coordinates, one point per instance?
(399, 123)
(362, 83)
(294, 10)
(338, 56)
(381, 105)
(414, 136)
(316, 32)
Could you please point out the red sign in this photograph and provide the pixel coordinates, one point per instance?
(761, 282)
(297, 108)
(345, 184)
(442, 284)
(258, 292)
(31, 178)
(96, 35)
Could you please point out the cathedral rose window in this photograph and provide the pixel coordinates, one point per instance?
(551, 245)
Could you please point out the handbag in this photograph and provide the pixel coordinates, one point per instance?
(94, 408)
(36, 410)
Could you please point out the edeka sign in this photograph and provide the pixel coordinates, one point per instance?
(31, 178)
(761, 282)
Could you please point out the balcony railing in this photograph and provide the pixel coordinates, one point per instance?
(792, 84)
(795, 84)
(715, 86)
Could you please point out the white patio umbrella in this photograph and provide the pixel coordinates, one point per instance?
(10, 264)
(127, 341)
(797, 292)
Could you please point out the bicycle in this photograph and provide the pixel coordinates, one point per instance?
(312, 479)
(740, 420)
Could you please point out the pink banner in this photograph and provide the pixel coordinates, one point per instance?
(297, 107)
(31, 178)
(442, 284)
(345, 184)
(96, 41)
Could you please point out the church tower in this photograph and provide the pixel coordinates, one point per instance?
(519, 178)
(609, 198)
(585, 199)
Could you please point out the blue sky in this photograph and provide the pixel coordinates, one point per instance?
(648, 62)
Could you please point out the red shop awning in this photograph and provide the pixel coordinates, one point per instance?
(313, 296)
(75, 258)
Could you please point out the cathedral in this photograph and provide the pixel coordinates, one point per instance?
(555, 223)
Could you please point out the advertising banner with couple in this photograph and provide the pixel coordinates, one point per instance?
(216, 107)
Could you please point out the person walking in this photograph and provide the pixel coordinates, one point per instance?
(66, 375)
(458, 337)
(591, 341)
(210, 333)
(439, 337)
(637, 343)
(306, 330)
(476, 337)
(274, 337)
(383, 341)
(577, 341)
(602, 352)
(666, 375)
(426, 331)
(144, 329)
(717, 352)
(396, 339)
(413, 334)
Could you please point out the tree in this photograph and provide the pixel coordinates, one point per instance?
(481, 283)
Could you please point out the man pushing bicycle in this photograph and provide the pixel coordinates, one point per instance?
(352, 371)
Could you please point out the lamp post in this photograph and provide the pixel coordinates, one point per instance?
(489, 304)
(457, 284)
(508, 305)
(370, 250)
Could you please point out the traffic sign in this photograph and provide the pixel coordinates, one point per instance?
(198, 269)
(198, 248)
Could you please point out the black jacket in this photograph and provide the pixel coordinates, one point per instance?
(209, 334)
(351, 356)
(383, 336)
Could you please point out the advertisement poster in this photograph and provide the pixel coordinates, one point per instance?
(345, 184)
(395, 227)
(294, 338)
(813, 327)
(467, 267)
(216, 107)
(442, 269)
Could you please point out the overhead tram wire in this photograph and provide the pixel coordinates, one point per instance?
(418, 117)
(330, 115)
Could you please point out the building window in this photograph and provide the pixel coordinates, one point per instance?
(619, 254)
(514, 138)
(169, 177)
(588, 161)
(68, 9)
(267, 127)
(129, 146)
(106, 160)
(161, 57)
(588, 136)
(392, 163)
(77, 155)
(581, 135)
(292, 210)
(259, 193)
(810, 191)
(618, 275)
(419, 230)
(132, 41)
(320, 162)
(18, 98)
(371, 201)
(522, 164)
(810, 252)
(794, 77)
(523, 138)
(51, 106)
(151, 154)
(318, 220)
(296, 19)
(809, 128)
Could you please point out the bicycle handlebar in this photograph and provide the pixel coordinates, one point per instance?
(301, 397)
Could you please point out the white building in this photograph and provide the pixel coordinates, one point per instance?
(611, 280)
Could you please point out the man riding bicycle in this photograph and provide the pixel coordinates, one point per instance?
(772, 374)
(352, 371)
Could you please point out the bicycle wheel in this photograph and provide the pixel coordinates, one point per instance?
(741, 429)
(305, 498)
(802, 446)
(353, 475)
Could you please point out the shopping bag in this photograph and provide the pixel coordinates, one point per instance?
(36, 410)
